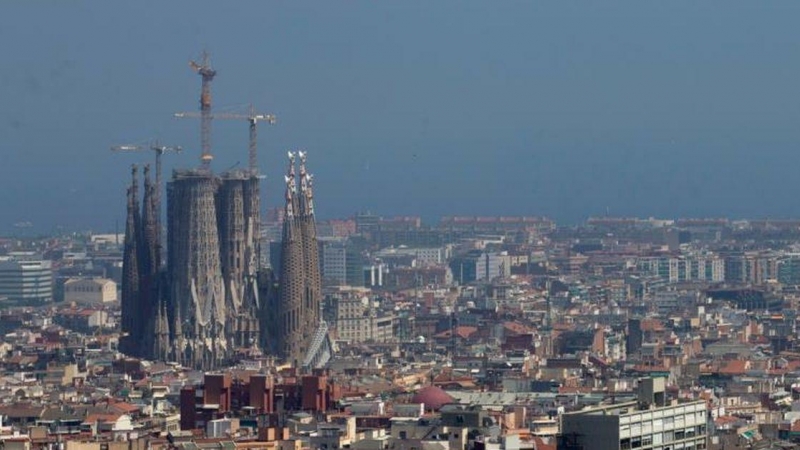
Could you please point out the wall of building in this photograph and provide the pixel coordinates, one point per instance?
(26, 281)
(90, 291)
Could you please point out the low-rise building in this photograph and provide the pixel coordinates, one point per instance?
(92, 291)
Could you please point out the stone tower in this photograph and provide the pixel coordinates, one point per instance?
(290, 333)
(131, 310)
(196, 290)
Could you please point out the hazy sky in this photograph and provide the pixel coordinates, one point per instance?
(564, 109)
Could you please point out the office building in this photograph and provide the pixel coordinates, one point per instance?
(26, 281)
(651, 422)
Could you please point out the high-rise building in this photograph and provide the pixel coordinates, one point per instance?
(26, 281)
(477, 265)
(334, 262)
(343, 262)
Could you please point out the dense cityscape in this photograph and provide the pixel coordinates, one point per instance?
(474, 332)
(213, 318)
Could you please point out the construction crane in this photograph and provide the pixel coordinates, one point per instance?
(252, 117)
(159, 150)
(203, 68)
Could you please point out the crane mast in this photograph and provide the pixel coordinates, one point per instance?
(203, 68)
(252, 148)
(159, 150)
(252, 117)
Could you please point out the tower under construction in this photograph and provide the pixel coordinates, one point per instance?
(194, 272)
(130, 298)
(212, 301)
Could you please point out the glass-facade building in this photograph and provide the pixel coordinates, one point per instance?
(26, 281)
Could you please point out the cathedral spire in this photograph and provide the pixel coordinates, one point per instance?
(130, 267)
(308, 229)
(291, 189)
(306, 193)
(150, 260)
(290, 336)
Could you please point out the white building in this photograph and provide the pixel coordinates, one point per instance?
(90, 291)
(649, 423)
(26, 281)
(422, 256)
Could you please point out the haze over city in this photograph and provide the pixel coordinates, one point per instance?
(399, 225)
(559, 109)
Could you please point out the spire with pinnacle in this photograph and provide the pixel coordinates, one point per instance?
(306, 193)
(291, 189)
(308, 229)
(290, 337)
(150, 260)
(130, 267)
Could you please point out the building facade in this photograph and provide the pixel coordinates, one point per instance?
(649, 423)
(95, 290)
(358, 318)
(26, 281)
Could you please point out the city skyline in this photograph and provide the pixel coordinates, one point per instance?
(547, 110)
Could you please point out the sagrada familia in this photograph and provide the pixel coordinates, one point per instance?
(211, 301)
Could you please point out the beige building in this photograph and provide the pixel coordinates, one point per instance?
(358, 318)
(96, 291)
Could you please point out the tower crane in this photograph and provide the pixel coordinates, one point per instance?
(159, 150)
(252, 117)
(203, 68)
